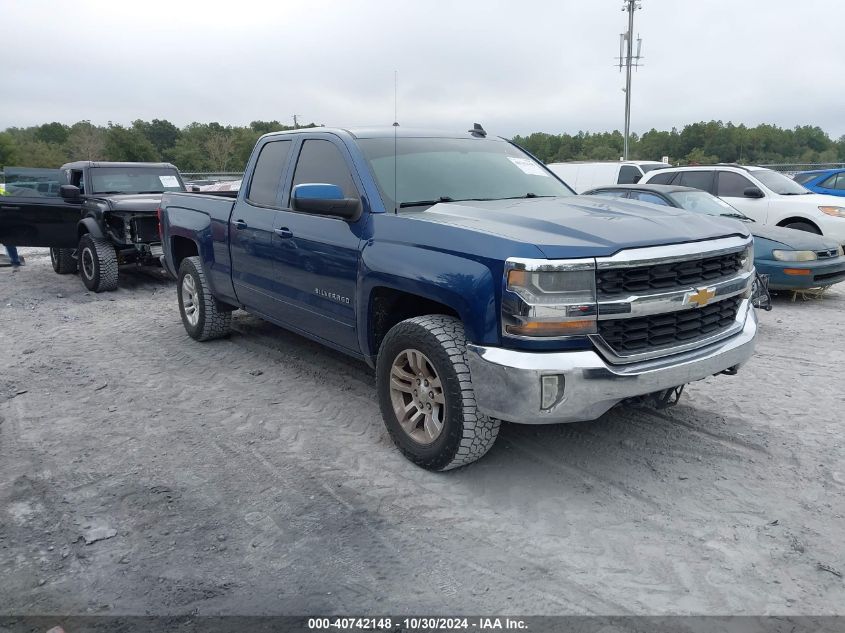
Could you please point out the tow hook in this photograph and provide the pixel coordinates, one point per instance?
(730, 371)
(659, 399)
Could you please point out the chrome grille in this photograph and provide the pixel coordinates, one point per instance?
(657, 277)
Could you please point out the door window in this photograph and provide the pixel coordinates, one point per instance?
(268, 173)
(629, 175)
(732, 185)
(321, 162)
(697, 179)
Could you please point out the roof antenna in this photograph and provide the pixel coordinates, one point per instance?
(395, 127)
(478, 131)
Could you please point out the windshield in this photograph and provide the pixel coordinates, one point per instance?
(134, 180)
(703, 202)
(648, 168)
(779, 183)
(452, 169)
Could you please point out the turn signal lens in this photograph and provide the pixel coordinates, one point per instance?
(553, 328)
(797, 271)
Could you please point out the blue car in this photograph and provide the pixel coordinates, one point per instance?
(792, 259)
(827, 181)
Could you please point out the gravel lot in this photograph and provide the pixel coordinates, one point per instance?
(254, 476)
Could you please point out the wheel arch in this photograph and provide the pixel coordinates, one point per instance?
(802, 220)
(88, 225)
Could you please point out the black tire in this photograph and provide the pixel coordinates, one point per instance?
(210, 319)
(97, 263)
(466, 434)
(803, 226)
(63, 260)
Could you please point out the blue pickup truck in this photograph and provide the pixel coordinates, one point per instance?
(472, 279)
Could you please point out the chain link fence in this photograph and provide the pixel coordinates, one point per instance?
(790, 169)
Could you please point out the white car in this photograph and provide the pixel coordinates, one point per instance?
(583, 176)
(764, 195)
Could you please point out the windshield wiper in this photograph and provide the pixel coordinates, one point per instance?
(796, 193)
(736, 215)
(425, 203)
(157, 191)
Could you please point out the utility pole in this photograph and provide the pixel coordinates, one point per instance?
(629, 61)
(295, 122)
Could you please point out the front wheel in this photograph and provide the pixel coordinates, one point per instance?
(64, 263)
(97, 263)
(426, 396)
(203, 316)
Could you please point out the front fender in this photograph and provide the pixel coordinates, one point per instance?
(467, 286)
(89, 225)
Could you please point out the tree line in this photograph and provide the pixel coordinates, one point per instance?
(215, 147)
(701, 143)
(195, 147)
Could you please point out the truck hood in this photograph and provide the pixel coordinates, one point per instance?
(133, 202)
(582, 226)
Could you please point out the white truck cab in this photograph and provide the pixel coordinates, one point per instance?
(582, 176)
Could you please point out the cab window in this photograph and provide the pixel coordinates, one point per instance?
(629, 175)
(321, 162)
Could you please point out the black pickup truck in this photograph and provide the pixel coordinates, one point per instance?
(94, 216)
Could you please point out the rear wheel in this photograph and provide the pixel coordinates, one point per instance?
(803, 226)
(203, 316)
(97, 263)
(63, 260)
(426, 396)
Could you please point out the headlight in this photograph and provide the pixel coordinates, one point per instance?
(549, 299)
(794, 256)
(747, 259)
(837, 212)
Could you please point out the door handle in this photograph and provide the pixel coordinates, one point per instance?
(284, 232)
(240, 224)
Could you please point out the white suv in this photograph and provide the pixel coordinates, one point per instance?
(766, 196)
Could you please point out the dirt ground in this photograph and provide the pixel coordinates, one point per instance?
(254, 476)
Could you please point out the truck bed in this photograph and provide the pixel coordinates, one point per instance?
(211, 204)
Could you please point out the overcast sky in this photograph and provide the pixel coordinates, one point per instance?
(517, 66)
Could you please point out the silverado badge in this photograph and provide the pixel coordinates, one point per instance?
(701, 297)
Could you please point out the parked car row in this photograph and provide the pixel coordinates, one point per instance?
(788, 258)
(468, 275)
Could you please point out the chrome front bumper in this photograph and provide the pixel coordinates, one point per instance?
(508, 382)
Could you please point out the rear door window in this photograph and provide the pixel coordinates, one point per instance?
(663, 178)
(268, 173)
(629, 175)
(732, 185)
(697, 179)
(836, 181)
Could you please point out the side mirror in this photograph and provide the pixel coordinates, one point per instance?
(325, 199)
(69, 192)
(753, 192)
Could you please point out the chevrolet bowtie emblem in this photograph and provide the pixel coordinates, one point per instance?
(702, 296)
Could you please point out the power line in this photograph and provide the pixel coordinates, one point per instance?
(629, 61)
